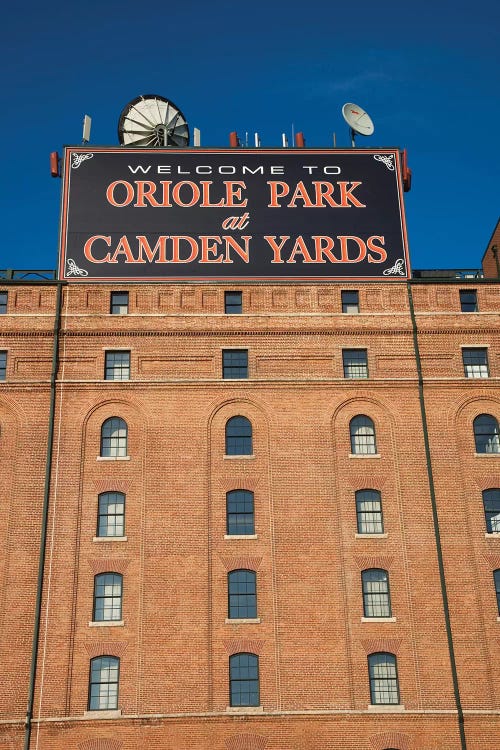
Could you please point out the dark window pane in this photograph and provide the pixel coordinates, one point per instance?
(369, 512)
(238, 437)
(350, 301)
(486, 434)
(383, 678)
(234, 363)
(3, 303)
(496, 578)
(103, 683)
(355, 363)
(3, 365)
(362, 435)
(119, 303)
(233, 304)
(242, 594)
(111, 514)
(117, 366)
(468, 300)
(107, 597)
(244, 680)
(475, 362)
(240, 512)
(376, 599)
(114, 437)
(491, 502)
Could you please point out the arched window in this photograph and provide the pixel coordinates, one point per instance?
(108, 597)
(240, 513)
(103, 683)
(383, 675)
(238, 437)
(362, 435)
(491, 504)
(114, 437)
(242, 594)
(369, 512)
(111, 514)
(376, 597)
(496, 578)
(244, 680)
(486, 434)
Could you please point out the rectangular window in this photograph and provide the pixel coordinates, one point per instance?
(111, 514)
(117, 366)
(369, 512)
(468, 300)
(233, 303)
(119, 303)
(350, 302)
(234, 363)
(475, 362)
(3, 365)
(355, 363)
(3, 303)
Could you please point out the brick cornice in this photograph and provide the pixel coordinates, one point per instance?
(268, 333)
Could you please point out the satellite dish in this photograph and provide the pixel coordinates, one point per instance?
(153, 121)
(358, 120)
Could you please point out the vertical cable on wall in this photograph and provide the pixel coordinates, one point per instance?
(435, 520)
(45, 514)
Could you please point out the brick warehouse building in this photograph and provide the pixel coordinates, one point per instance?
(268, 511)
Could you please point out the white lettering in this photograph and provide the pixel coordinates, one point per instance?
(134, 170)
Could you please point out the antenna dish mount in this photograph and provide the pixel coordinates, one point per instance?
(358, 120)
(152, 121)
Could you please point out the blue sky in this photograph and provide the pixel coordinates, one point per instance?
(427, 72)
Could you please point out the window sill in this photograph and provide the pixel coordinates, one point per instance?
(245, 709)
(109, 539)
(365, 455)
(107, 624)
(487, 455)
(498, 619)
(251, 455)
(492, 535)
(370, 536)
(114, 713)
(245, 536)
(378, 619)
(242, 620)
(113, 458)
(386, 707)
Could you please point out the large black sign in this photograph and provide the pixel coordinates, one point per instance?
(164, 214)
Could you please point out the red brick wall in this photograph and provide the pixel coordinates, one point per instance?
(175, 644)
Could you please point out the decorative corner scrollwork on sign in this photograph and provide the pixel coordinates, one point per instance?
(398, 269)
(79, 159)
(73, 270)
(387, 159)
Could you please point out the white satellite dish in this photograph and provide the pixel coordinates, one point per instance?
(358, 120)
